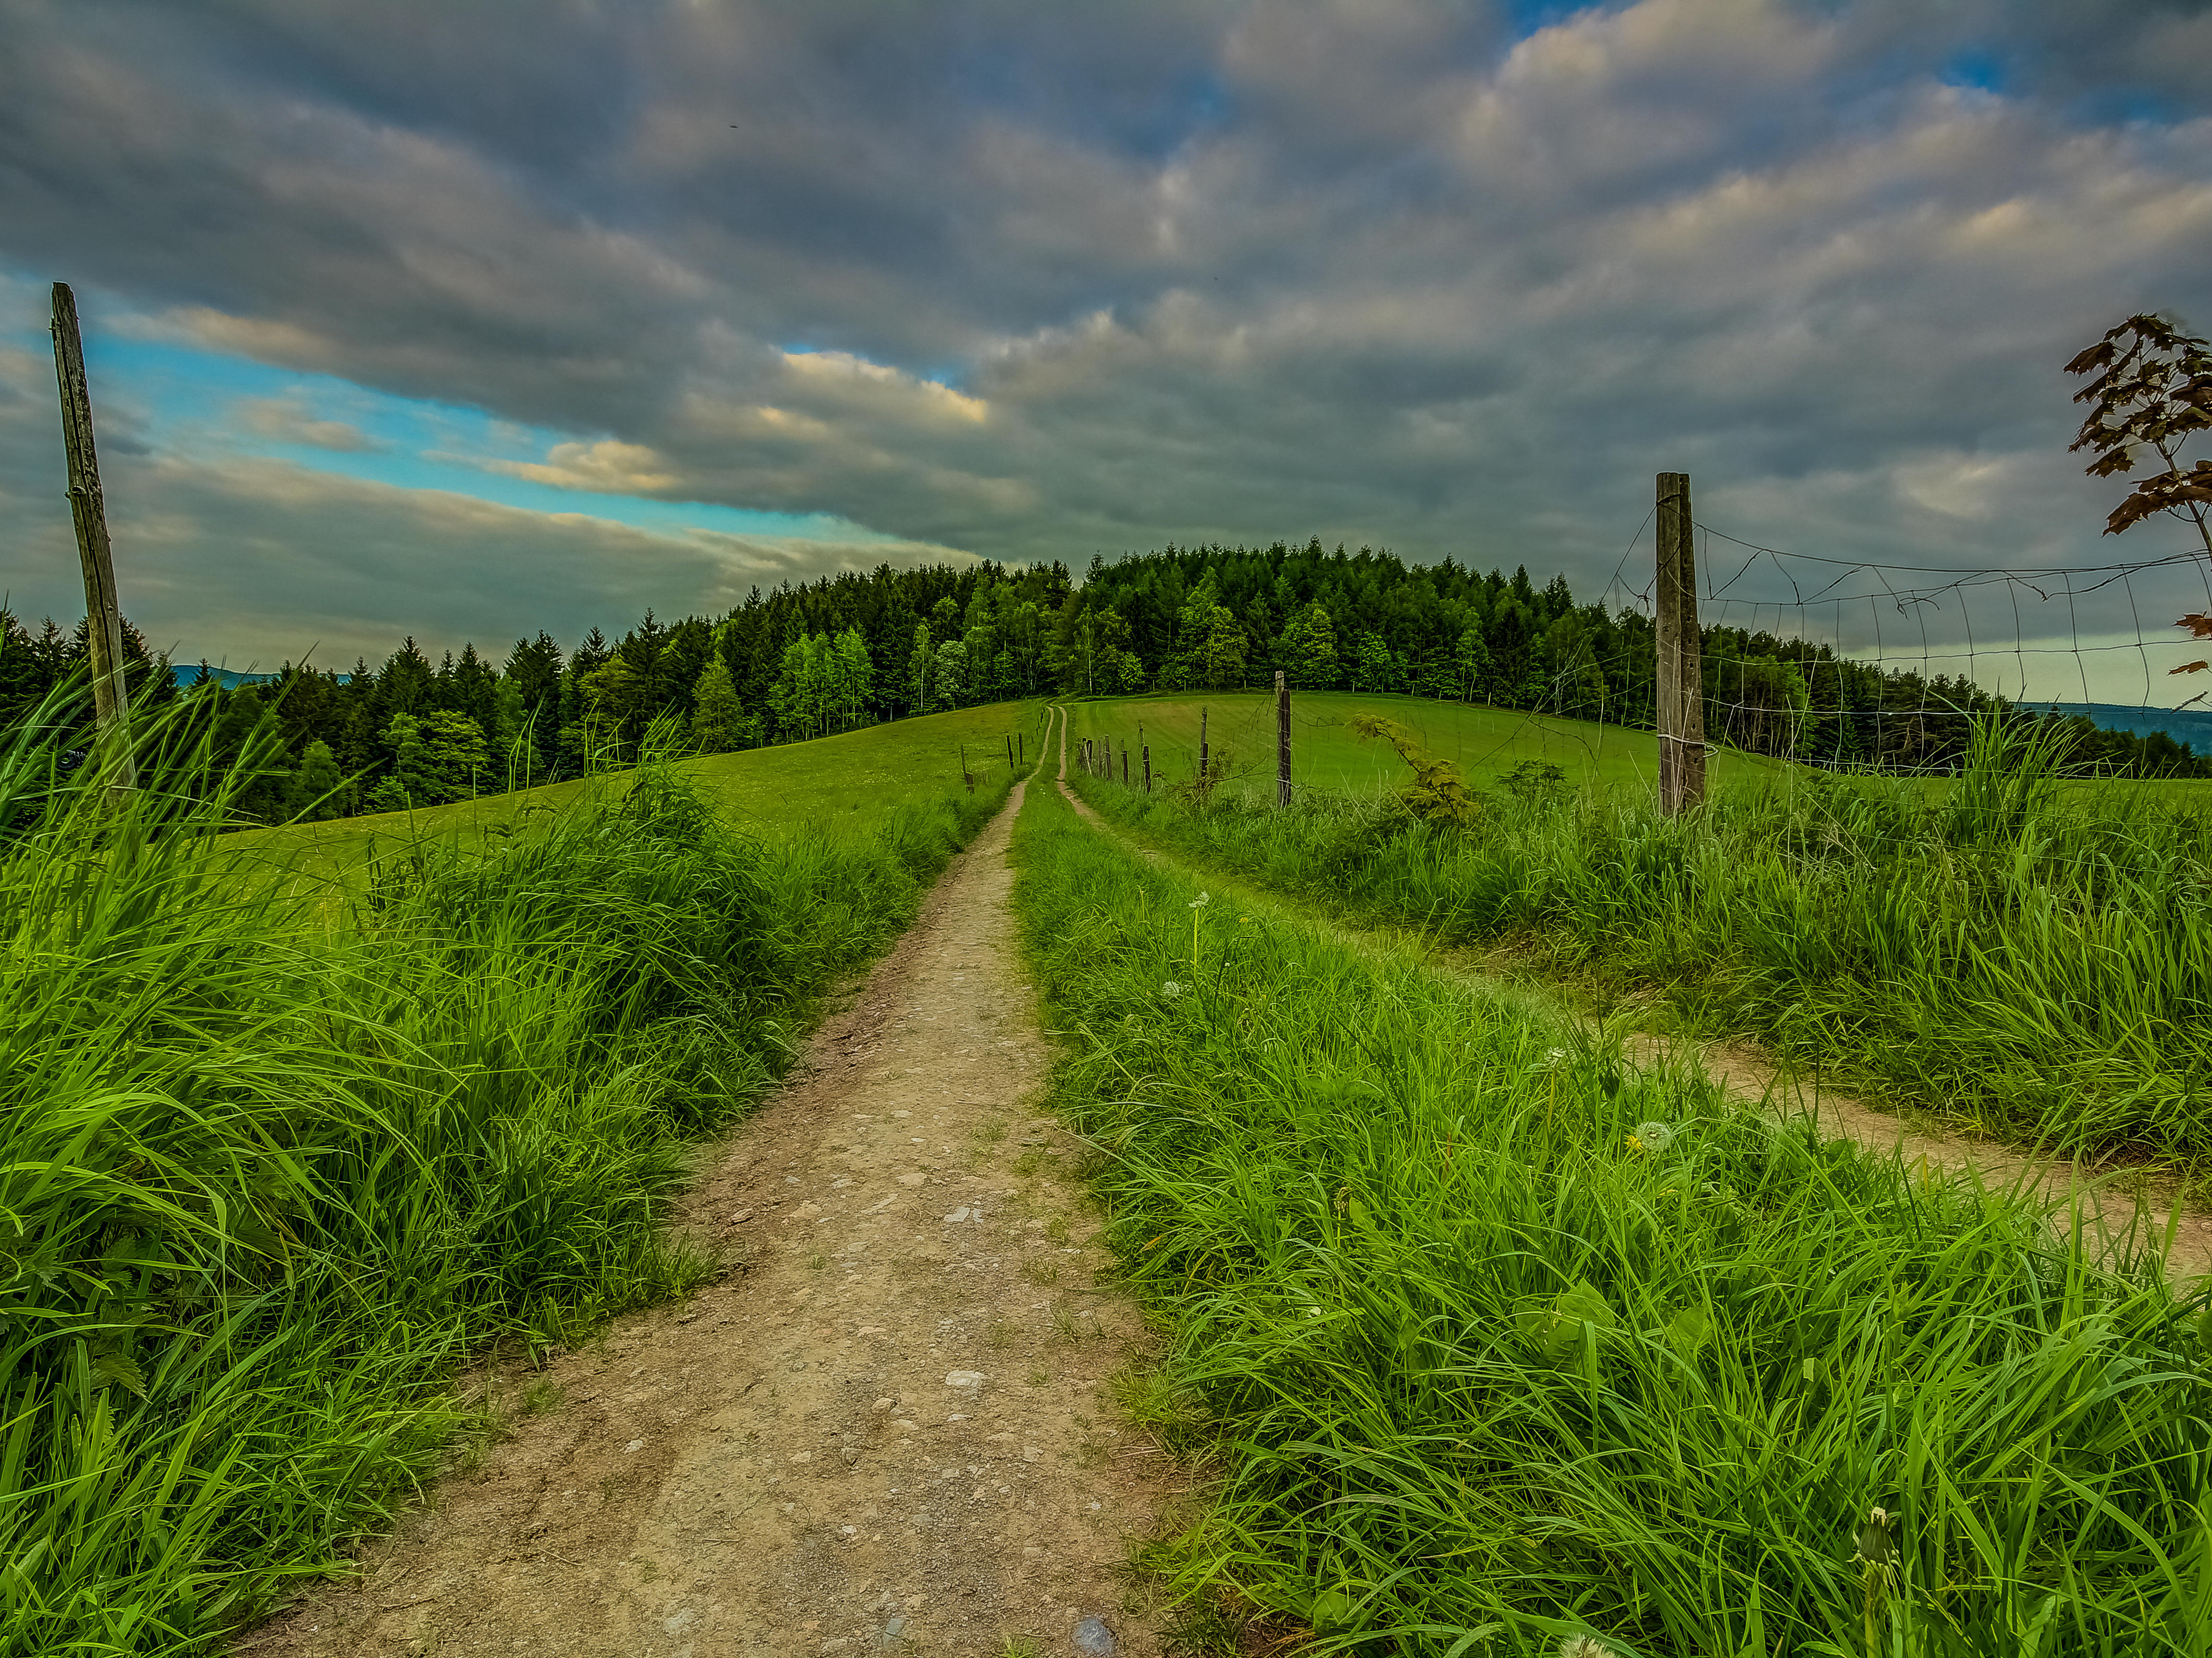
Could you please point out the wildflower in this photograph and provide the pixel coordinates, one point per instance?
(1584, 1646)
(1633, 1143)
(1201, 900)
(1655, 1136)
(1171, 990)
(1874, 1545)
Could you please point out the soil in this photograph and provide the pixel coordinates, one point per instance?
(893, 1430)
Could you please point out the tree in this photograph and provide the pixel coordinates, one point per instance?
(948, 673)
(319, 787)
(1471, 661)
(1376, 667)
(718, 719)
(1210, 645)
(1307, 650)
(921, 670)
(2153, 390)
(852, 676)
(435, 757)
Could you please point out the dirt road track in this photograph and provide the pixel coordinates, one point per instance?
(891, 1433)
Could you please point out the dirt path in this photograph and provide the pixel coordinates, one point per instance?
(2116, 1209)
(891, 1433)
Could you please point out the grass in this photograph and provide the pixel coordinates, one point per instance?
(845, 785)
(1483, 1363)
(2036, 961)
(1486, 743)
(277, 1155)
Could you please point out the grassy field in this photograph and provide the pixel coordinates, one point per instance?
(1486, 743)
(2032, 959)
(1495, 1345)
(272, 1168)
(848, 783)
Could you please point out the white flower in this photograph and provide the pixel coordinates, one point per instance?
(1584, 1646)
(1201, 900)
(1656, 1136)
(1171, 990)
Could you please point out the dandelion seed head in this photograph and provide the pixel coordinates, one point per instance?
(1584, 1646)
(1656, 1136)
(1201, 900)
(1171, 990)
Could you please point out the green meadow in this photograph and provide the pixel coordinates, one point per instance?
(1486, 743)
(845, 784)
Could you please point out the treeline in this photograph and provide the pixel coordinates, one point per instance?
(851, 649)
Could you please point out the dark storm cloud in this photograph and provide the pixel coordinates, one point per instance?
(1040, 280)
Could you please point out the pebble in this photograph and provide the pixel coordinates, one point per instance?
(1095, 1640)
(963, 1378)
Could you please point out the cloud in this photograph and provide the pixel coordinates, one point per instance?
(287, 420)
(1038, 282)
(608, 466)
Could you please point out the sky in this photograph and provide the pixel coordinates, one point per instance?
(464, 321)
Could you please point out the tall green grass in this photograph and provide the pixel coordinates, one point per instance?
(272, 1168)
(2007, 952)
(1495, 1343)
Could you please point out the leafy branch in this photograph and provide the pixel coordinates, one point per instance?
(2153, 390)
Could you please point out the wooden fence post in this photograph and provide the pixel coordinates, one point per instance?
(103, 626)
(1145, 750)
(1681, 675)
(1010, 754)
(966, 776)
(1021, 751)
(1282, 740)
(1125, 765)
(1202, 744)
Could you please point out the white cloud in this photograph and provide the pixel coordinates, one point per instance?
(288, 420)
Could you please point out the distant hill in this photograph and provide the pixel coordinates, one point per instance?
(185, 673)
(188, 673)
(2190, 726)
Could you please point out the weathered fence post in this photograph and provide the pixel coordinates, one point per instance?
(1010, 754)
(1145, 750)
(1201, 744)
(1681, 675)
(966, 776)
(1125, 765)
(103, 625)
(1282, 740)
(1021, 751)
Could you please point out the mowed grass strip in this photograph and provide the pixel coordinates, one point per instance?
(272, 1167)
(2030, 958)
(1491, 1342)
